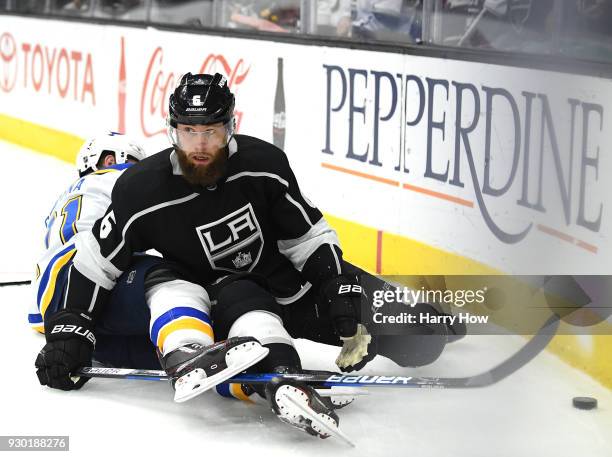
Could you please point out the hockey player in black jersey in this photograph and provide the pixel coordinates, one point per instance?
(259, 263)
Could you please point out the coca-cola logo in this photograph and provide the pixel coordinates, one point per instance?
(155, 92)
(159, 84)
(8, 55)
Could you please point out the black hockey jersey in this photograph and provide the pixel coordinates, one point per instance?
(254, 220)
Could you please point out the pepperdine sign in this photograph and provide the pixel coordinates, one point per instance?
(516, 148)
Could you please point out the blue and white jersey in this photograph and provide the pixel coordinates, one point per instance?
(73, 214)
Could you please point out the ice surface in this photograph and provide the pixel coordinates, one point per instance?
(529, 414)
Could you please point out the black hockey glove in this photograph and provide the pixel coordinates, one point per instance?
(343, 296)
(70, 343)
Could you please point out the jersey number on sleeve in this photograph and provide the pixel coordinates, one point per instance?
(107, 224)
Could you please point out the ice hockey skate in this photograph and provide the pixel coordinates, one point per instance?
(194, 369)
(302, 407)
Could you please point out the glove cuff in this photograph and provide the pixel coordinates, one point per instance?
(68, 324)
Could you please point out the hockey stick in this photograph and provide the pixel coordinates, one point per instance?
(515, 362)
(15, 283)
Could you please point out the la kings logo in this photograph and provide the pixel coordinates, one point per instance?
(233, 243)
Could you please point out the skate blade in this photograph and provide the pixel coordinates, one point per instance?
(343, 392)
(342, 396)
(331, 431)
(195, 382)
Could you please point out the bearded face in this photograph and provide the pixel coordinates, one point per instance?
(202, 152)
(202, 169)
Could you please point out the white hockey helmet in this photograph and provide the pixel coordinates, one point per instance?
(122, 147)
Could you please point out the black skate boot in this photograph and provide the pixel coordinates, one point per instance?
(194, 368)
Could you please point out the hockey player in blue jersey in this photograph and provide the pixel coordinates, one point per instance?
(100, 162)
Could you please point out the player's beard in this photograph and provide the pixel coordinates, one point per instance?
(203, 175)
